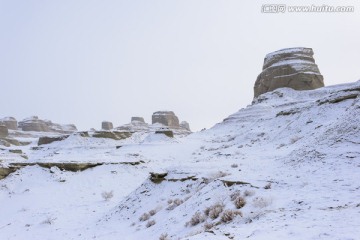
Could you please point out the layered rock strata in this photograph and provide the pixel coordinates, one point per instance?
(292, 67)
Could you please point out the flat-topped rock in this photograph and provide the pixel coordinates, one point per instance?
(137, 119)
(167, 118)
(38, 125)
(9, 122)
(34, 124)
(105, 125)
(292, 67)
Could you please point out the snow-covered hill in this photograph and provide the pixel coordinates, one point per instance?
(285, 167)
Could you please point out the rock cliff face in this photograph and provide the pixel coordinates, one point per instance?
(3, 131)
(167, 118)
(292, 67)
(9, 122)
(38, 125)
(105, 125)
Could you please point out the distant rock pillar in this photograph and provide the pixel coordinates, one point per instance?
(137, 119)
(185, 125)
(105, 125)
(167, 118)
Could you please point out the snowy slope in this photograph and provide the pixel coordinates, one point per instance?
(294, 157)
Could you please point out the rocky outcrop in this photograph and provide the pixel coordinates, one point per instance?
(161, 120)
(48, 140)
(166, 132)
(134, 126)
(105, 125)
(166, 118)
(292, 67)
(185, 125)
(137, 119)
(38, 125)
(112, 134)
(9, 122)
(3, 131)
(34, 124)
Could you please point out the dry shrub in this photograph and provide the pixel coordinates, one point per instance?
(48, 220)
(267, 186)
(177, 202)
(235, 195)
(214, 211)
(220, 174)
(152, 212)
(150, 223)
(144, 217)
(208, 226)
(196, 219)
(107, 195)
(239, 202)
(261, 202)
(249, 193)
(229, 215)
(164, 236)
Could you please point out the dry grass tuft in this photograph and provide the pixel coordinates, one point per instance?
(107, 195)
(197, 218)
(144, 217)
(214, 211)
(229, 215)
(150, 223)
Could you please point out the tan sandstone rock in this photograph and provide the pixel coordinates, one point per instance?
(38, 125)
(292, 67)
(167, 118)
(9, 122)
(3, 131)
(137, 119)
(105, 125)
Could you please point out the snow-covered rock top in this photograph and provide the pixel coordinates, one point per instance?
(302, 51)
(35, 124)
(293, 67)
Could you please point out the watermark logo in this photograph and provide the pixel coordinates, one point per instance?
(273, 8)
(282, 8)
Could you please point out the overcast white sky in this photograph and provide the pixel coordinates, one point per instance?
(85, 61)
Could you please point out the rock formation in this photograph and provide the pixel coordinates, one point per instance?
(162, 121)
(292, 67)
(185, 125)
(34, 124)
(3, 131)
(105, 125)
(167, 118)
(116, 135)
(37, 125)
(48, 140)
(9, 122)
(166, 132)
(137, 119)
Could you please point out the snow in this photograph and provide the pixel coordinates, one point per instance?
(269, 56)
(298, 144)
(297, 64)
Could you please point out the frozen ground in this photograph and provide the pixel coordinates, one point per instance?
(293, 157)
